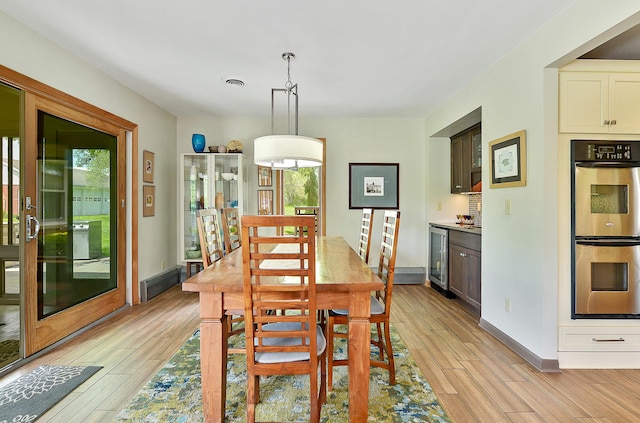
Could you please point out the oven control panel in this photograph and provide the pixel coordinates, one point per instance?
(605, 151)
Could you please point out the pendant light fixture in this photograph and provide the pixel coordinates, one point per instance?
(290, 150)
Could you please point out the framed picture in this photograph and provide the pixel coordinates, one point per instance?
(508, 161)
(264, 176)
(374, 185)
(265, 201)
(148, 200)
(148, 166)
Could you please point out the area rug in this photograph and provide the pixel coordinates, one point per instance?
(174, 393)
(9, 352)
(31, 395)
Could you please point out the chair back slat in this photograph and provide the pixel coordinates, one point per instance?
(364, 242)
(231, 229)
(388, 250)
(209, 234)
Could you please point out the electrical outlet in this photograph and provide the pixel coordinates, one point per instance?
(507, 304)
(479, 206)
(439, 205)
(162, 264)
(507, 207)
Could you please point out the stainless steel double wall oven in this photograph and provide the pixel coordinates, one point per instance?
(606, 229)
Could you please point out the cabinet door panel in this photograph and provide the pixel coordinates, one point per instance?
(457, 271)
(473, 278)
(584, 104)
(624, 107)
(458, 169)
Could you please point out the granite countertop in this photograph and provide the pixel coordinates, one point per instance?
(458, 227)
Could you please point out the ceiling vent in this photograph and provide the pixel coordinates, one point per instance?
(233, 81)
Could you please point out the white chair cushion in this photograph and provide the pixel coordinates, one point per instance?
(377, 307)
(282, 357)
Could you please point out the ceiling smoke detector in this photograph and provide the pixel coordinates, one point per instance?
(230, 80)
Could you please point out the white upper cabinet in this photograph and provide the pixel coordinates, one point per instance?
(600, 102)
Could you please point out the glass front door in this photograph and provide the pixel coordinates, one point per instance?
(74, 221)
(10, 264)
(76, 214)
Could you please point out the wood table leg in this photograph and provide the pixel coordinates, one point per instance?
(359, 356)
(213, 356)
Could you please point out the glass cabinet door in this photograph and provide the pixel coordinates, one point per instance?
(227, 182)
(476, 150)
(195, 175)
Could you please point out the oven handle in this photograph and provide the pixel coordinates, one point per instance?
(608, 165)
(631, 242)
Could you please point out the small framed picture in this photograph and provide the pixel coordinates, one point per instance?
(508, 161)
(374, 185)
(148, 166)
(265, 201)
(148, 200)
(264, 176)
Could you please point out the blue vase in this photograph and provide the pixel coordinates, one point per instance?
(198, 142)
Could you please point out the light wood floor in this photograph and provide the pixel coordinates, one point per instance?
(476, 378)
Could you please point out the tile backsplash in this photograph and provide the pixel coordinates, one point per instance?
(475, 208)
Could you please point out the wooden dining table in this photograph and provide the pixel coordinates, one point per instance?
(343, 281)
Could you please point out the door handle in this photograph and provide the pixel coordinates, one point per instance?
(34, 235)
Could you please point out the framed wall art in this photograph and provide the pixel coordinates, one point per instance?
(264, 176)
(148, 166)
(508, 161)
(265, 201)
(148, 200)
(374, 185)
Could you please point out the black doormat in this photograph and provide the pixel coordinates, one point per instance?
(30, 396)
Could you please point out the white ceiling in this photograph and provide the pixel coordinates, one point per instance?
(358, 58)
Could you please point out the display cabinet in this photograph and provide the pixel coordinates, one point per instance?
(207, 180)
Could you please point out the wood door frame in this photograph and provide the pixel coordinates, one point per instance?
(36, 91)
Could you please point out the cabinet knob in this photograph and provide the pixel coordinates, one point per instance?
(606, 122)
(613, 122)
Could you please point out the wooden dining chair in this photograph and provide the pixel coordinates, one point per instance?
(380, 305)
(308, 210)
(280, 274)
(211, 247)
(209, 234)
(231, 229)
(364, 242)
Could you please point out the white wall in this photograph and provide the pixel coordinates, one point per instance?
(348, 140)
(28, 53)
(520, 251)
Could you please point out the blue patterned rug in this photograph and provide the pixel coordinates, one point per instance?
(174, 393)
(30, 396)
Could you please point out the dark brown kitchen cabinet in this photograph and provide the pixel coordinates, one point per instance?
(464, 268)
(466, 160)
